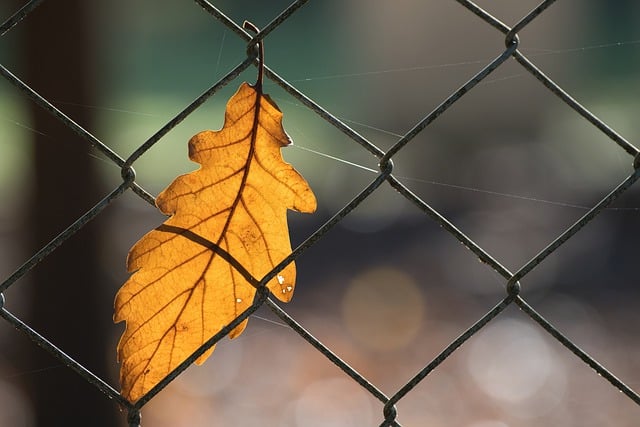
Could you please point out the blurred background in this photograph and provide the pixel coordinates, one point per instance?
(387, 289)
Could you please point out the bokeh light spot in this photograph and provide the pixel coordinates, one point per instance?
(511, 362)
(383, 309)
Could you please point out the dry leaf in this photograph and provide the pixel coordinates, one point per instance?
(182, 292)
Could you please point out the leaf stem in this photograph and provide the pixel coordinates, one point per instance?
(251, 27)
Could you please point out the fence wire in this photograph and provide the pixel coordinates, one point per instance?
(385, 175)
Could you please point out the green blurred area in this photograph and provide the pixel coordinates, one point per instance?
(154, 58)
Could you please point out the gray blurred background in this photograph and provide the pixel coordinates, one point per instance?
(387, 289)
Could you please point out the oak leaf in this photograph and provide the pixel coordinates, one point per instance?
(183, 291)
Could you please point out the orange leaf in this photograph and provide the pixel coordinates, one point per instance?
(182, 292)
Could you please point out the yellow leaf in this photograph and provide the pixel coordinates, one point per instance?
(182, 292)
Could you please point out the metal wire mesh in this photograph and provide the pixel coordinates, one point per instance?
(385, 176)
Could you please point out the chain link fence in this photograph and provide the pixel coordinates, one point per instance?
(385, 176)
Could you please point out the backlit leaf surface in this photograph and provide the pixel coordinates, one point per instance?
(182, 291)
